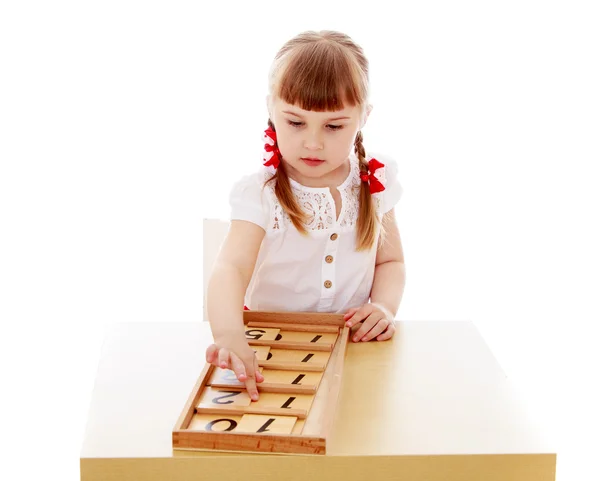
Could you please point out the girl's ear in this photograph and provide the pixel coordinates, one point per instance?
(366, 116)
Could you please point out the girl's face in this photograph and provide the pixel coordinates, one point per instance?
(327, 136)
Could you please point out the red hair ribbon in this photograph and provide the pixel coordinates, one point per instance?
(374, 184)
(270, 139)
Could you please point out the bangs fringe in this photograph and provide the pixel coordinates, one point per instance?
(321, 77)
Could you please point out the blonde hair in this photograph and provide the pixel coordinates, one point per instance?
(323, 71)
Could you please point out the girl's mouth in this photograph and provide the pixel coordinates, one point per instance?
(312, 162)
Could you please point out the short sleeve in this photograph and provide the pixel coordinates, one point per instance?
(393, 190)
(248, 201)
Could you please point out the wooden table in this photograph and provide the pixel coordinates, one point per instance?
(430, 404)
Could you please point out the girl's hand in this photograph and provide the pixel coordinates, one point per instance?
(236, 354)
(376, 323)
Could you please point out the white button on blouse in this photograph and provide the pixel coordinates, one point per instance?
(321, 272)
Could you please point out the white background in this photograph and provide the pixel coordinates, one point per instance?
(123, 124)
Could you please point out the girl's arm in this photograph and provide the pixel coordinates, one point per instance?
(386, 293)
(230, 278)
(227, 286)
(390, 274)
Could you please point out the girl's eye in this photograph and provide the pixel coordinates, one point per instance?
(332, 127)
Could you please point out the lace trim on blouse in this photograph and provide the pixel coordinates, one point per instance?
(318, 202)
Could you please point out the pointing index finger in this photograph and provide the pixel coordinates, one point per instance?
(251, 386)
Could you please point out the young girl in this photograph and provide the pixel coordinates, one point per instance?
(314, 229)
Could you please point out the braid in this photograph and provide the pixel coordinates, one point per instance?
(283, 191)
(360, 150)
(367, 218)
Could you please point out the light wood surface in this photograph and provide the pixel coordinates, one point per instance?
(431, 403)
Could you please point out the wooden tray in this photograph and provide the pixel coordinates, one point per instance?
(301, 355)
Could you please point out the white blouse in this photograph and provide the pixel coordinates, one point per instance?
(321, 272)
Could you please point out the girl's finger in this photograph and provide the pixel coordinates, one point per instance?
(211, 352)
(378, 328)
(368, 324)
(238, 367)
(251, 380)
(360, 314)
(350, 312)
(223, 358)
(389, 332)
(258, 374)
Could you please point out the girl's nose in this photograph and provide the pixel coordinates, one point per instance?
(313, 141)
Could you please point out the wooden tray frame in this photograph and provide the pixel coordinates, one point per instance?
(321, 414)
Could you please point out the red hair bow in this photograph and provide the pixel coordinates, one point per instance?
(270, 139)
(369, 176)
